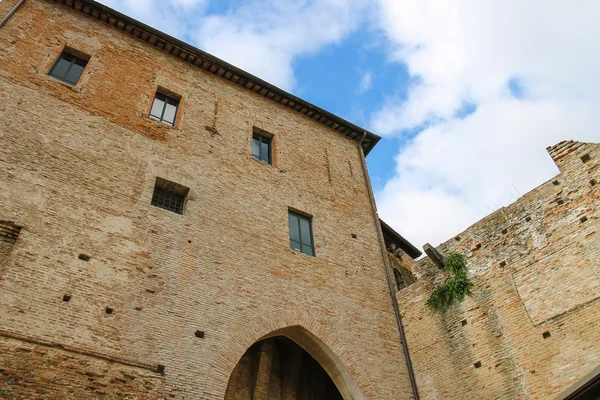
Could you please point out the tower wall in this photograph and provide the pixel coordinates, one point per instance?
(78, 165)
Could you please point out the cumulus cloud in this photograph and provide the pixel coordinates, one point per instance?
(263, 37)
(527, 69)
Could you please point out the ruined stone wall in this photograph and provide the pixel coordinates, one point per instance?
(77, 170)
(531, 328)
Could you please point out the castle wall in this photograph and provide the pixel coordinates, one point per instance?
(77, 170)
(532, 322)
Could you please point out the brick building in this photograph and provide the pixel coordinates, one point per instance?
(174, 227)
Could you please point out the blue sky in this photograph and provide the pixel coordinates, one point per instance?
(466, 93)
(352, 79)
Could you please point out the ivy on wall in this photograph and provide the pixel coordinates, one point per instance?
(457, 286)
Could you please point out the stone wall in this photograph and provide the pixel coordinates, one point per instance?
(531, 328)
(101, 282)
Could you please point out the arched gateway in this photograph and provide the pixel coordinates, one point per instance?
(290, 362)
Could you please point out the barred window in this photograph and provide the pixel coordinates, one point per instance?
(68, 68)
(169, 195)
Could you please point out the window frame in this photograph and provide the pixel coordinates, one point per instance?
(261, 137)
(167, 100)
(299, 217)
(74, 60)
(171, 191)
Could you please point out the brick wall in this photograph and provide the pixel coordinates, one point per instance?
(532, 322)
(77, 169)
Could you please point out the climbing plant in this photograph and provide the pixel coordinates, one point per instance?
(457, 286)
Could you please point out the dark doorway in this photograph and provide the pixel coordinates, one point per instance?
(276, 369)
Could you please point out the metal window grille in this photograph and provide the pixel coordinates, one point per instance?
(301, 236)
(169, 195)
(68, 68)
(164, 108)
(261, 148)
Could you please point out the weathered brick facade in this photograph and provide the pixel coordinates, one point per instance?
(533, 322)
(103, 295)
(78, 167)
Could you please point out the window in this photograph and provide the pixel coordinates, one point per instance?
(164, 108)
(68, 68)
(169, 195)
(261, 147)
(301, 238)
(399, 280)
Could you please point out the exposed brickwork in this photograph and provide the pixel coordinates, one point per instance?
(41, 372)
(77, 170)
(533, 320)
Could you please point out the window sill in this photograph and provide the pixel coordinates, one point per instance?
(74, 88)
(160, 123)
(304, 254)
(164, 210)
(262, 162)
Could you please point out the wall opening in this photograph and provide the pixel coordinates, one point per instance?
(399, 280)
(546, 335)
(293, 364)
(278, 368)
(9, 233)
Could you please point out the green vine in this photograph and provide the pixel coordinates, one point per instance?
(457, 286)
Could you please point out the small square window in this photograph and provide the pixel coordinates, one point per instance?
(301, 237)
(261, 147)
(68, 68)
(169, 195)
(164, 108)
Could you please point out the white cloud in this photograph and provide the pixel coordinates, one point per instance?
(365, 82)
(175, 17)
(265, 37)
(465, 52)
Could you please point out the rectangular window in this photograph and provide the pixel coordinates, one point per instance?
(261, 147)
(169, 195)
(164, 108)
(68, 68)
(301, 237)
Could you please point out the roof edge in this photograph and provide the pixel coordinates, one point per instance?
(216, 66)
(404, 244)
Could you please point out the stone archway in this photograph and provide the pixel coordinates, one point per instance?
(301, 329)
